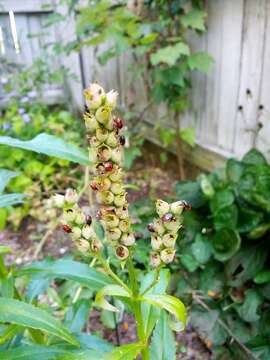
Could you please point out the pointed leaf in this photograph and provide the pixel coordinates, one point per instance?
(200, 61)
(110, 290)
(5, 177)
(23, 314)
(170, 54)
(125, 352)
(49, 145)
(69, 270)
(11, 199)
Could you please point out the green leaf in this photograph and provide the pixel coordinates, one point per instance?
(206, 186)
(167, 136)
(163, 345)
(11, 199)
(151, 313)
(23, 314)
(131, 154)
(170, 54)
(262, 277)
(191, 192)
(226, 217)
(189, 262)
(221, 200)
(249, 310)
(4, 250)
(234, 170)
(248, 219)
(254, 157)
(170, 303)
(188, 135)
(69, 270)
(110, 290)
(125, 352)
(200, 61)
(226, 243)
(194, 19)
(49, 145)
(5, 177)
(201, 249)
(259, 231)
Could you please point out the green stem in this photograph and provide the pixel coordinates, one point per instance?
(3, 269)
(137, 310)
(153, 283)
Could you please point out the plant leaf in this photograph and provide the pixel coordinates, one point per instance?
(125, 352)
(170, 303)
(110, 290)
(249, 310)
(23, 314)
(200, 61)
(263, 277)
(49, 145)
(201, 249)
(68, 269)
(5, 177)
(170, 54)
(11, 199)
(226, 243)
(194, 19)
(163, 345)
(188, 134)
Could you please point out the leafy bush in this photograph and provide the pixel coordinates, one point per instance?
(225, 254)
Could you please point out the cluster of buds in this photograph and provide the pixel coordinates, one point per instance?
(165, 231)
(76, 223)
(106, 152)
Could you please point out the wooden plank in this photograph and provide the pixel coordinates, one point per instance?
(10, 53)
(214, 46)
(25, 55)
(34, 28)
(263, 110)
(24, 6)
(229, 70)
(251, 71)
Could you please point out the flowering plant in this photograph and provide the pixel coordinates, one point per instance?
(147, 300)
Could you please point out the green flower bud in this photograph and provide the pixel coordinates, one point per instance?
(128, 239)
(116, 175)
(105, 197)
(94, 142)
(58, 200)
(114, 234)
(93, 155)
(69, 215)
(71, 196)
(112, 140)
(124, 225)
(90, 122)
(122, 212)
(111, 98)
(117, 188)
(116, 156)
(111, 221)
(162, 207)
(94, 96)
(102, 134)
(82, 245)
(80, 218)
(76, 233)
(96, 245)
(173, 225)
(158, 226)
(156, 242)
(103, 115)
(88, 232)
(177, 207)
(169, 240)
(167, 255)
(104, 153)
(120, 200)
(122, 252)
(103, 184)
(155, 259)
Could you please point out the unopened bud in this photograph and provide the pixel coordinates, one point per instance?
(59, 200)
(167, 255)
(96, 245)
(88, 219)
(105, 197)
(112, 140)
(155, 259)
(122, 140)
(118, 123)
(108, 166)
(82, 245)
(94, 186)
(120, 200)
(76, 233)
(102, 134)
(88, 232)
(94, 96)
(169, 240)
(111, 98)
(103, 115)
(104, 153)
(124, 225)
(71, 196)
(151, 227)
(117, 188)
(90, 122)
(156, 242)
(116, 175)
(167, 217)
(114, 234)
(69, 215)
(162, 207)
(122, 252)
(116, 156)
(128, 239)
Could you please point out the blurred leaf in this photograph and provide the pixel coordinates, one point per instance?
(20, 313)
(125, 352)
(254, 157)
(11, 199)
(226, 217)
(194, 19)
(212, 278)
(201, 249)
(131, 154)
(163, 345)
(49, 145)
(260, 346)
(167, 136)
(226, 243)
(200, 61)
(191, 192)
(221, 200)
(248, 219)
(77, 315)
(110, 290)
(170, 54)
(234, 170)
(188, 135)
(206, 186)
(189, 262)
(249, 310)
(259, 231)
(5, 177)
(262, 277)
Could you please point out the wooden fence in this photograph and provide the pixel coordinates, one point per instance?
(230, 107)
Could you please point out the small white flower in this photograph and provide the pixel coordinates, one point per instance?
(88, 232)
(122, 212)
(155, 259)
(103, 115)
(71, 196)
(112, 140)
(128, 239)
(94, 96)
(111, 98)
(124, 225)
(162, 207)
(59, 200)
(169, 240)
(167, 255)
(173, 225)
(156, 242)
(120, 200)
(117, 188)
(90, 121)
(158, 226)
(114, 234)
(82, 245)
(76, 233)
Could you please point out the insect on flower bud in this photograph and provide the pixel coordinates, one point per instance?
(59, 200)
(169, 240)
(122, 252)
(88, 219)
(67, 229)
(167, 255)
(112, 140)
(103, 115)
(118, 123)
(155, 259)
(71, 196)
(156, 242)
(102, 134)
(179, 206)
(108, 166)
(122, 140)
(162, 207)
(76, 233)
(88, 232)
(82, 245)
(128, 239)
(167, 217)
(151, 227)
(94, 186)
(111, 98)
